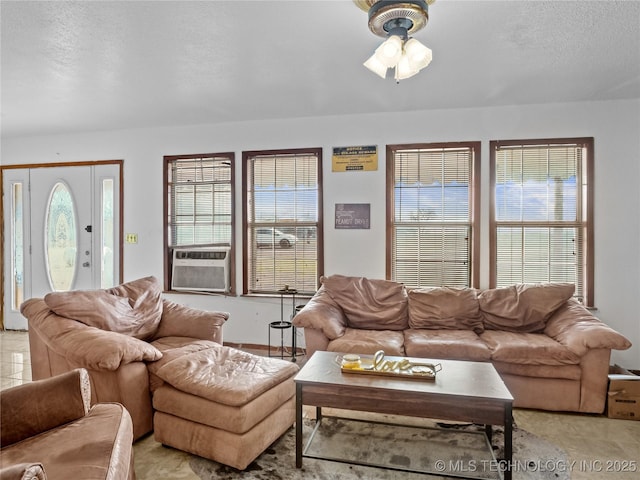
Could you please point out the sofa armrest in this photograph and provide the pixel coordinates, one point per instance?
(183, 321)
(32, 408)
(84, 346)
(575, 327)
(22, 471)
(322, 313)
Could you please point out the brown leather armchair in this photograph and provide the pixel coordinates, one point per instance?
(113, 334)
(166, 364)
(49, 430)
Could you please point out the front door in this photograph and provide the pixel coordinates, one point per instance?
(61, 232)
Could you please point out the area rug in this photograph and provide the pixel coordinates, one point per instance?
(444, 450)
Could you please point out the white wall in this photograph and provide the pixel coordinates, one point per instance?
(614, 125)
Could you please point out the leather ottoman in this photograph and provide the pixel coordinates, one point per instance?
(222, 403)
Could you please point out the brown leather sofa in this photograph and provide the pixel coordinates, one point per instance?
(49, 430)
(166, 364)
(551, 352)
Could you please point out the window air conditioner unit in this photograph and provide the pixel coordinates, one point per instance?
(200, 269)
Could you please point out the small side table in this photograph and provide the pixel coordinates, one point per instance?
(283, 324)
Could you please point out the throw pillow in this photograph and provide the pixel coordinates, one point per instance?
(369, 304)
(133, 308)
(445, 308)
(523, 307)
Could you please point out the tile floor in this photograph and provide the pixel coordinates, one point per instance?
(15, 362)
(599, 446)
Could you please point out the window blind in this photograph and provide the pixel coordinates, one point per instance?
(541, 218)
(283, 229)
(432, 215)
(200, 201)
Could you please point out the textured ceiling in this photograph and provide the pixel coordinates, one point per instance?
(79, 66)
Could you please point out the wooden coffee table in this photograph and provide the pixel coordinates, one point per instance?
(462, 391)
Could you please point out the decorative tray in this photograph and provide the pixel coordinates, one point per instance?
(390, 367)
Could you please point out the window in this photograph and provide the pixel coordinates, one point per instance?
(199, 204)
(541, 214)
(432, 214)
(17, 246)
(61, 238)
(282, 214)
(107, 266)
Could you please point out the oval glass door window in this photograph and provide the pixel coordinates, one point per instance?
(61, 244)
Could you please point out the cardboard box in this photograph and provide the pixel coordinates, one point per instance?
(624, 394)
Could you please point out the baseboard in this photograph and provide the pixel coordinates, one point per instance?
(262, 348)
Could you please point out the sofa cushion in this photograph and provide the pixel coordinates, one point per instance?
(84, 346)
(527, 349)
(449, 344)
(522, 307)
(445, 308)
(369, 304)
(225, 375)
(172, 348)
(566, 372)
(368, 342)
(133, 308)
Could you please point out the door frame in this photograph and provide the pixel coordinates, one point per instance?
(119, 240)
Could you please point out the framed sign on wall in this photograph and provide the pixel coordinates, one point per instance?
(353, 215)
(352, 159)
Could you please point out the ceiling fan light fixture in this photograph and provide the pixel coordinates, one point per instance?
(417, 54)
(390, 51)
(396, 20)
(404, 69)
(376, 66)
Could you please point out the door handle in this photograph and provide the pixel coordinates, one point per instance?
(85, 264)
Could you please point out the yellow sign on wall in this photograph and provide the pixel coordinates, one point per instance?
(353, 159)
